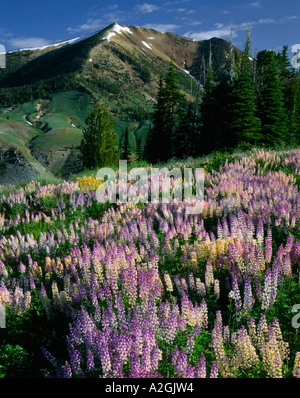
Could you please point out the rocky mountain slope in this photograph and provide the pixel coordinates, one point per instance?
(51, 91)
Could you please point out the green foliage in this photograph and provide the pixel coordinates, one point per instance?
(99, 140)
(270, 101)
(125, 147)
(13, 361)
(161, 142)
(244, 124)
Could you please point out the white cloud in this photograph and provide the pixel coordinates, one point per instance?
(146, 8)
(289, 18)
(90, 25)
(208, 34)
(162, 27)
(256, 4)
(28, 42)
(267, 20)
(222, 31)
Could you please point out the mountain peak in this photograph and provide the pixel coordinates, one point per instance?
(117, 29)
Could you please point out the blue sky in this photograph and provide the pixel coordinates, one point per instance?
(35, 23)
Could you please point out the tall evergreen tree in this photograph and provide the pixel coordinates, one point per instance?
(166, 118)
(181, 143)
(98, 145)
(215, 108)
(139, 150)
(289, 78)
(152, 150)
(295, 110)
(173, 100)
(270, 100)
(244, 124)
(209, 109)
(126, 146)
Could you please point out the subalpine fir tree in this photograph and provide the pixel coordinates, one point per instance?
(183, 136)
(98, 145)
(270, 100)
(139, 149)
(215, 108)
(209, 107)
(152, 150)
(289, 79)
(166, 118)
(295, 110)
(126, 147)
(173, 112)
(244, 124)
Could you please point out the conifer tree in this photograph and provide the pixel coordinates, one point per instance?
(270, 100)
(166, 118)
(181, 142)
(126, 146)
(289, 79)
(295, 110)
(139, 151)
(209, 109)
(152, 150)
(173, 99)
(244, 124)
(98, 145)
(215, 108)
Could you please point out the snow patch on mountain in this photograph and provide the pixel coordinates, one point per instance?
(146, 45)
(62, 43)
(117, 29)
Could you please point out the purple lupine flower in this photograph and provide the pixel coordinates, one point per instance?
(216, 289)
(209, 275)
(267, 290)
(258, 288)
(76, 359)
(260, 231)
(226, 334)
(201, 368)
(236, 297)
(190, 372)
(175, 355)
(105, 358)
(117, 366)
(214, 371)
(190, 344)
(135, 364)
(90, 361)
(286, 265)
(274, 280)
(248, 298)
(181, 364)
(200, 287)
(155, 357)
(146, 357)
(67, 372)
(242, 222)
(268, 242)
